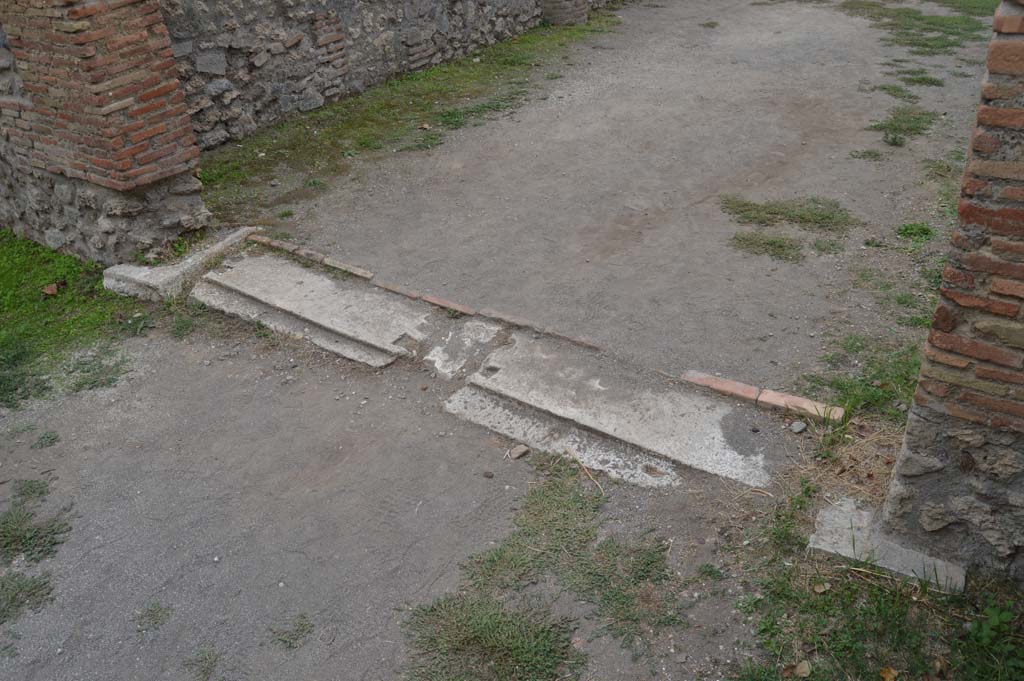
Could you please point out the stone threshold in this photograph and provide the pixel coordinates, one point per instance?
(763, 398)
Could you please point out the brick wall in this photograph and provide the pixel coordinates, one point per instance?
(105, 102)
(958, 487)
(97, 107)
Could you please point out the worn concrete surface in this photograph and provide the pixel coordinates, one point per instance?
(242, 483)
(587, 390)
(367, 315)
(593, 208)
(843, 529)
(165, 282)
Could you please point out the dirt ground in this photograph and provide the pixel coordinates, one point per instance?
(594, 208)
(243, 483)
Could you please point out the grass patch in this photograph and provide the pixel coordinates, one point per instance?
(476, 638)
(203, 665)
(897, 91)
(903, 122)
(478, 633)
(22, 534)
(871, 378)
(924, 34)
(917, 233)
(293, 636)
(974, 8)
(392, 115)
(30, 490)
(776, 246)
(19, 592)
(828, 246)
(557, 516)
(632, 586)
(182, 326)
(47, 439)
(153, 616)
(814, 213)
(851, 621)
(867, 154)
(37, 330)
(930, 81)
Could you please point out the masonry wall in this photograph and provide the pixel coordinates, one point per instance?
(958, 486)
(104, 104)
(248, 64)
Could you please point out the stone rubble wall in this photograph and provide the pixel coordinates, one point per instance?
(958, 486)
(248, 64)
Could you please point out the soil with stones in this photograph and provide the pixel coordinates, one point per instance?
(242, 482)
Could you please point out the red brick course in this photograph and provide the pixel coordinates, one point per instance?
(973, 365)
(104, 100)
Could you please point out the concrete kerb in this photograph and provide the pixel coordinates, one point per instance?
(843, 529)
(165, 282)
(761, 397)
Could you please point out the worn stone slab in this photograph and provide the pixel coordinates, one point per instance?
(640, 409)
(461, 344)
(546, 433)
(356, 312)
(851, 532)
(237, 305)
(164, 282)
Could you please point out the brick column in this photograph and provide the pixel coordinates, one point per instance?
(98, 103)
(561, 12)
(958, 486)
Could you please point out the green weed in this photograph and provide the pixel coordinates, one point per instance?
(22, 534)
(19, 592)
(153, 616)
(921, 33)
(776, 246)
(47, 439)
(828, 246)
(918, 233)
(897, 91)
(203, 665)
(903, 122)
(294, 635)
(876, 380)
(930, 81)
(30, 490)
(867, 154)
(709, 571)
(476, 638)
(37, 330)
(814, 213)
(635, 592)
(182, 326)
(557, 516)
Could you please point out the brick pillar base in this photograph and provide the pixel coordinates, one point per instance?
(958, 486)
(561, 12)
(96, 145)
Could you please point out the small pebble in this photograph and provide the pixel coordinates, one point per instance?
(798, 427)
(488, 474)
